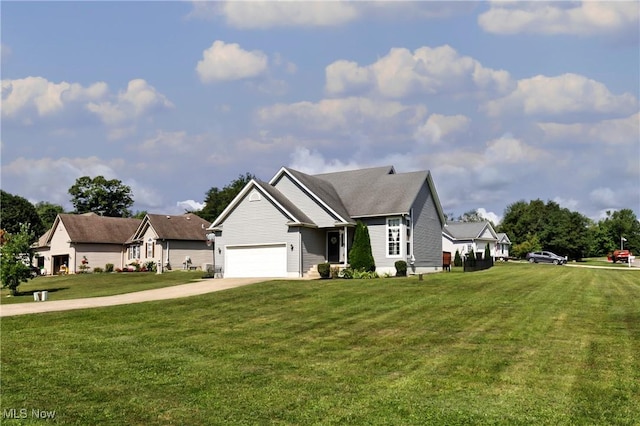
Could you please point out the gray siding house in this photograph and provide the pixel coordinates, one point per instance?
(286, 227)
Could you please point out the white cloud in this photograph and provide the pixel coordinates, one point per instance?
(313, 162)
(166, 142)
(440, 126)
(190, 205)
(139, 99)
(270, 14)
(50, 178)
(491, 216)
(341, 114)
(37, 94)
(579, 18)
(564, 94)
(620, 131)
(226, 62)
(403, 73)
(509, 150)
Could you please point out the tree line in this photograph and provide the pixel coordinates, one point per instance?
(535, 225)
(531, 226)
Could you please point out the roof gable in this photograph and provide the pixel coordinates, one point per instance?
(470, 231)
(294, 214)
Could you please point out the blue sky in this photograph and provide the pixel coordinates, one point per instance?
(502, 101)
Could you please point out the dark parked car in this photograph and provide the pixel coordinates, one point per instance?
(545, 257)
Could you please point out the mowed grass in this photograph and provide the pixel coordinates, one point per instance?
(74, 286)
(515, 345)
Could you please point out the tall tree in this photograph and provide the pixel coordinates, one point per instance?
(98, 195)
(617, 227)
(16, 257)
(554, 228)
(218, 199)
(48, 212)
(17, 211)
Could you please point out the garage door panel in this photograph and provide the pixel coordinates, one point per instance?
(268, 261)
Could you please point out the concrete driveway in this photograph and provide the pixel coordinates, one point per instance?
(174, 292)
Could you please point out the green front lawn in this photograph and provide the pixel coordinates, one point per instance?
(76, 286)
(517, 344)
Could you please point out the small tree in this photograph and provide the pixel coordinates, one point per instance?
(14, 254)
(360, 256)
(457, 260)
(487, 252)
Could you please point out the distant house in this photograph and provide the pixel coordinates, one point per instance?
(100, 240)
(72, 238)
(285, 227)
(467, 237)
(503, 246)
(177, 241)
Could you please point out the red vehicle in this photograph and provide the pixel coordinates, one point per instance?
(620, 256)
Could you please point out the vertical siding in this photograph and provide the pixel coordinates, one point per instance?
(304, 202)
(258, 222)
(427, 231)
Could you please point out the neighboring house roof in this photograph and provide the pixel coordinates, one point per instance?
(187, 227)
(349, 195)
(503, 238)
(468, 230)
(91, 228)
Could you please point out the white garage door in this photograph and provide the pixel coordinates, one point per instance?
(256, 261)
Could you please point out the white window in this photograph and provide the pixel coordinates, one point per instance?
(134, 252)
(150, 247)
(393, 237)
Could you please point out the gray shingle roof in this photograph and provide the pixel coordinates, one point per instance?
(325, 190)
(284, 202)
(377, 191)
(465, 230)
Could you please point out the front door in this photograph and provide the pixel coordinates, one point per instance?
(333, 247)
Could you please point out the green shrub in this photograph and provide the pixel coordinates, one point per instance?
(108, 267)
(346, 273)
(366, 275)
(457, 259)
(401, 268)
(150, 266)
(98, 270)
(360, 256)
(487, 251)
(324, 269)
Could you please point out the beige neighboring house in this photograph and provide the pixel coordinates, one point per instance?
(179, 242)
(72, 238)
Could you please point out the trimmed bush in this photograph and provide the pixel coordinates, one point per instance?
(98, 270)
(108, 267)
(360, 256)
(457, 259)
(324, 269)
(401, 268)
(487, 251)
